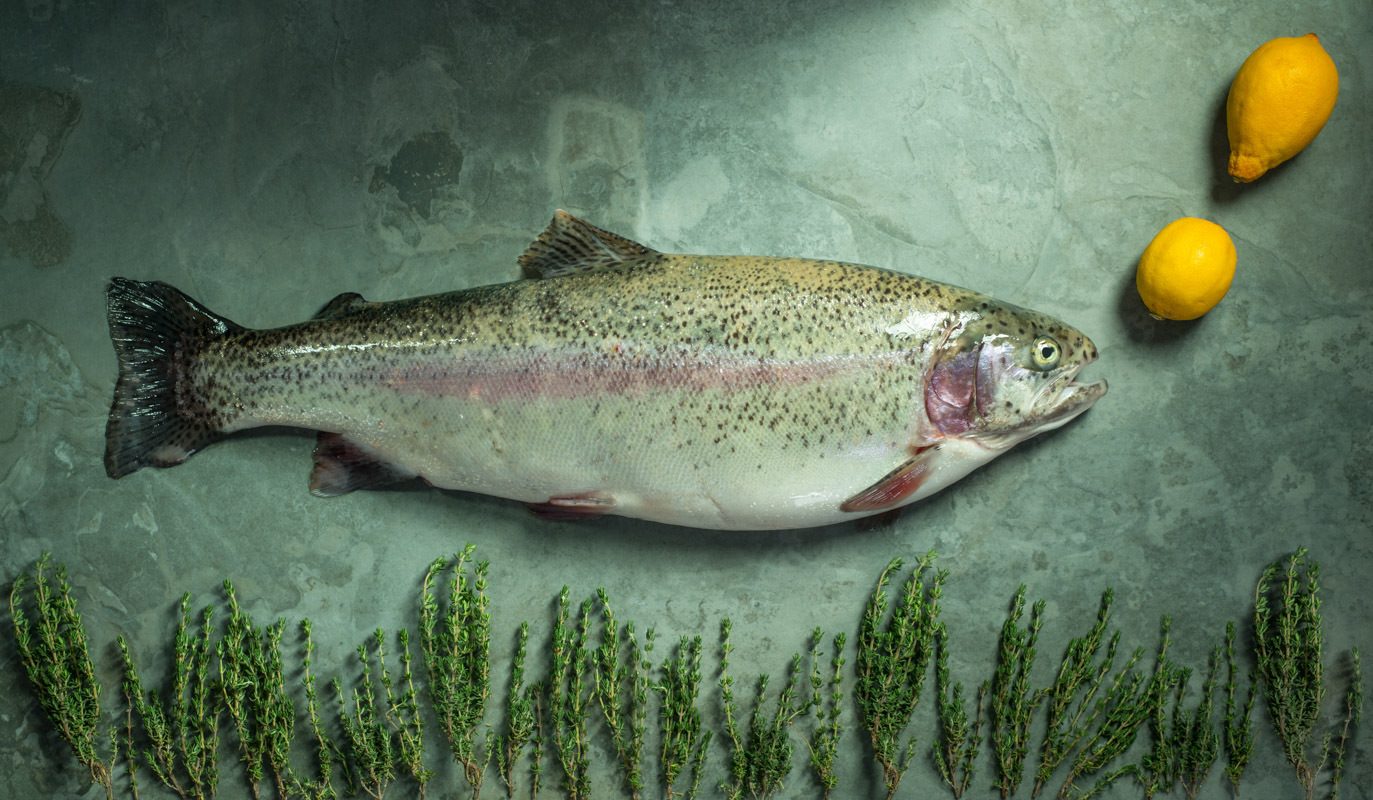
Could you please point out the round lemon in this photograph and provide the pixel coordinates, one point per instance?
(1186, 269)
(1280, 99)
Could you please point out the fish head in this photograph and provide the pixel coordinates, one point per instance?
(1005, 374)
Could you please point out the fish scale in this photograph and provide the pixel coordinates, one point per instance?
(734, 392)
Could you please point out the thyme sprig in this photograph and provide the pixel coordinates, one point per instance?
(684, 741)
(520, 715)
(130, 748)
(1197, 741)
(371, 747)
(892, 662)
(183, 734)
(1072, 696)
(955, 751)
(825, 738)
(1160, 769)
(570, 696)
(1288, 641)
(1353, 711)
(253, 690)
(1013, 704)
(327, 752)
(457, 650)
(760, 759)
(621, 688)
(1237, 733)
(53, 649)
(737, 756)
(1131, 700)
(403, 714)
(537, 745)
(639, 687)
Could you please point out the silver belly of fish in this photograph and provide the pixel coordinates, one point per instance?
(726, 392)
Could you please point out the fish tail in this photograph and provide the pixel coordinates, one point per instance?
(156, 419)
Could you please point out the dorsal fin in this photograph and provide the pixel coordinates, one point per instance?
(571, 245)
(343, 304)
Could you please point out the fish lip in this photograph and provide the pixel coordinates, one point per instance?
(1071, 398)
(1078, 397)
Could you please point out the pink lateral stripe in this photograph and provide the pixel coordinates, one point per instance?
(618, 372)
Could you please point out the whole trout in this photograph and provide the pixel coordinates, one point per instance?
(727, 392)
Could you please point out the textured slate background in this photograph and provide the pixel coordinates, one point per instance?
(264, 157)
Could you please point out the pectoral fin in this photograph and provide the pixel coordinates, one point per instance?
(342, 465)
(896, 486)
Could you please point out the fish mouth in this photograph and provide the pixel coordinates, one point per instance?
(1065, 398)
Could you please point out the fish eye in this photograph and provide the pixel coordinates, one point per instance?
(1044, 353)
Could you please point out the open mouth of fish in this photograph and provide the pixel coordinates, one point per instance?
(1065, 398)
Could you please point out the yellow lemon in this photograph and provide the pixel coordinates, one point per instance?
(1278, 102)
(1186, 269)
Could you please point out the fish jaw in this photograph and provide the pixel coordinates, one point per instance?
(1066, 400)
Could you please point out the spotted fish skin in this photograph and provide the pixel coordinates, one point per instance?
(729, 392)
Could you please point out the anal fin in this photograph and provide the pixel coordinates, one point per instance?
(574, 506)
(895, 487)
(342, 465)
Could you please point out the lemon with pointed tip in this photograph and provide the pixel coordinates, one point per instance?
(1186, 269)
(1280, 99)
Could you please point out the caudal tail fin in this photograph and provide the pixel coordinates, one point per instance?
(156, 418)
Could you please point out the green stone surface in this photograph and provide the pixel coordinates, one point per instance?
(265, 157)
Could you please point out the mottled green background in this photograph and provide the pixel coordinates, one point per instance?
(266, 156)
